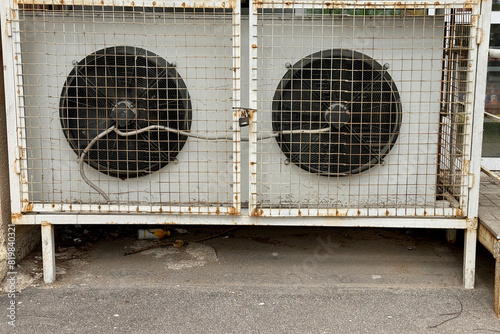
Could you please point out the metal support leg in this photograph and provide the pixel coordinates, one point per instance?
(496, 304)
(470, 256)
(48, 253)
(451, 236)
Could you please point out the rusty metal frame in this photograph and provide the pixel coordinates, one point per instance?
(135, 3)
(16, 120)
(27, 213)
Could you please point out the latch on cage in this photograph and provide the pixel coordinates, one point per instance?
(245, 115)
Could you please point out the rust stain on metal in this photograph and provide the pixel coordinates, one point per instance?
(45, 223)
(338, 213)
(473, 20)
(359, 213)
(137, 209)
(154, 3)
(217, 211)
(183, 5)
(99, 207)
(61, 2)
(22, 152)
(132, 4)
(480, 35)
(387, 213)
(258, 3)
(14, 166)
(28, 207)
(232, 211)
(466, 166)
(299, 213)
(16, 216)
(257, 212)
(252, 163)
(254, 46)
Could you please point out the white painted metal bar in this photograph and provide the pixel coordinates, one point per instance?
(48, 252)
(478, 87)
(283, 4)
(253, 104)
(95, 208)
(237, 103)
(137, 3)
(364, 212)
(495, 53)
(481, 48)
(469, 264)
(138, 219)
(9, 39)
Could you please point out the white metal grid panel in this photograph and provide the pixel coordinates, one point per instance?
(296, 52)
(195, 47)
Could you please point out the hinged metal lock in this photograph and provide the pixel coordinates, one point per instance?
(244, 121)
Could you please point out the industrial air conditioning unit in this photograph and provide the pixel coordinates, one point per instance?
(286, 113)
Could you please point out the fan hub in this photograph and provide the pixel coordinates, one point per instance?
(337, 115)
(123, 112)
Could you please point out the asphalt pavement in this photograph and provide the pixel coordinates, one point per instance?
(259, 280)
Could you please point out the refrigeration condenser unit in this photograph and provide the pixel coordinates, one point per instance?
(359, 113)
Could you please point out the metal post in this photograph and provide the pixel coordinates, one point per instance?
(496, 303)
(470, 253)
(48, 253)
(451, 236)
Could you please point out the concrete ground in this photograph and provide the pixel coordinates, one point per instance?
(260, 280)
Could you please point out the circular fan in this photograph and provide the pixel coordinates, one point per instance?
(132, 89)
(336, 112)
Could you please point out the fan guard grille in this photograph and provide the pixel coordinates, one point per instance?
(347, 92)
(132, 89)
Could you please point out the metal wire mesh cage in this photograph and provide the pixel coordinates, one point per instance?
(364, 109)
(361, 109)
(128, 108)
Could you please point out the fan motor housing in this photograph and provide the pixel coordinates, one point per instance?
(344, 91)
(132, 89)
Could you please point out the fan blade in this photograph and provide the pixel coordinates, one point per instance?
(153, 145)
(154, 82)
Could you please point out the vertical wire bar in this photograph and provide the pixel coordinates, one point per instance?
(479, 93)
(254, 18)
(16, 129)
(236, 24)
